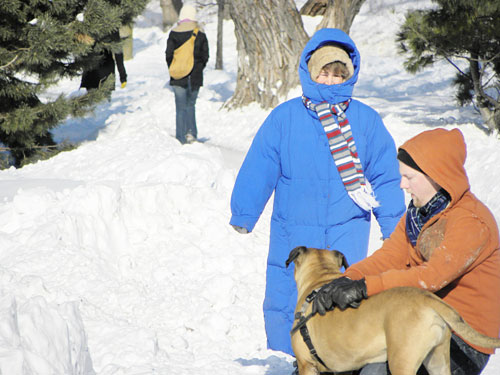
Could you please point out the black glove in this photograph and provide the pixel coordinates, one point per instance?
(341, 292)
(240, 229)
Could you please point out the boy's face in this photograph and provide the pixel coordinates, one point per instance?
(421, 187)
(329, 78)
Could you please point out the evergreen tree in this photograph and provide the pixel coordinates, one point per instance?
(42, 41)
(467, 30)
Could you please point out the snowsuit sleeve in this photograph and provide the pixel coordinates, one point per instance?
(392, 255)
(382, 171)
(258, 175)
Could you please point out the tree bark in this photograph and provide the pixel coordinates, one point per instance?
(314, 8)
(170, 12)
(488, 107)
(126, 32)
(270, 37)
(220, 23)
(340, 14)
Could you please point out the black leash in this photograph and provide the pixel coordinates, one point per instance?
(302, 327)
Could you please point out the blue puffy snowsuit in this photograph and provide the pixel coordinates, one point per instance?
(290, 156)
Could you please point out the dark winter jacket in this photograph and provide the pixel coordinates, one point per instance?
(105, 65)
(176, 38)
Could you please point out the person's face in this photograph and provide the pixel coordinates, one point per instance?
(420, 186)
(329, 78)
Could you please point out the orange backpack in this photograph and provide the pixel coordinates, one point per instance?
(183, 61)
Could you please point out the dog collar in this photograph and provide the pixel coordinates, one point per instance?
(302, 326)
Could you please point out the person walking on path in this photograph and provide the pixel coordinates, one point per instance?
(330, 162)
(105, 66)
(186, 88)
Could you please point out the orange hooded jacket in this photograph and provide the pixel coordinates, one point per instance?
(457, 254)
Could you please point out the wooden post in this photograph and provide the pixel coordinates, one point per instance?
(128, 45)
(220, 22)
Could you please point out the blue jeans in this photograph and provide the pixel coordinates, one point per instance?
(185, 117)
(375, 369)
(464, 360)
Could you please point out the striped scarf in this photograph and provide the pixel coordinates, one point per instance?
(344, 152)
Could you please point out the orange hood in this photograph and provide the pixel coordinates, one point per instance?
(441, 154)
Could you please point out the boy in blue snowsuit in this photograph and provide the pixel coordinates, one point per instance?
(330, 162)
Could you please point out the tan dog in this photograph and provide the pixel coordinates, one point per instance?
(405, 326)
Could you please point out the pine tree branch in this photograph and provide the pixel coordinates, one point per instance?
(63, 39)
(9, 63)
(450, 61)
(27, 147)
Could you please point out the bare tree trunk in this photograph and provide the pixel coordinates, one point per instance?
(270, 37)
(220, 23)
(314, 8)
(126, 32)
(490, 117)
(489, 107)
(170, 12)
(340, 14)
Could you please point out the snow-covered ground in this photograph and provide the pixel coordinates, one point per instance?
(117, 257)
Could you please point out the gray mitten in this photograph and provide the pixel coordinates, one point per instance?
(240, 229)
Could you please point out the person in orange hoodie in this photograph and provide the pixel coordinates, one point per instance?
(447, 243)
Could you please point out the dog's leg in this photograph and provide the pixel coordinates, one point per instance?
(408, 348)
(400, 367)
(405, 354)
(306, 368)
(438, 360)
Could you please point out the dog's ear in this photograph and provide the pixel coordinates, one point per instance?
(341, 258)
(345, 264)
(294, 254)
